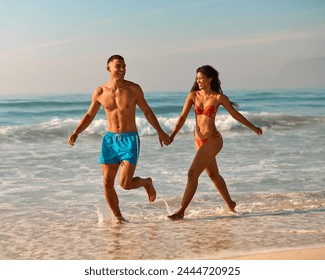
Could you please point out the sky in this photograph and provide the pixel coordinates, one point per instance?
(55, 46)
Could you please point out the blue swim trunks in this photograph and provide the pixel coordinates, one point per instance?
(117, 147)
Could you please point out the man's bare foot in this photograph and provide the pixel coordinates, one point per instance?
(231, 208)
(176, 216)
(150, 190)
(120, 220)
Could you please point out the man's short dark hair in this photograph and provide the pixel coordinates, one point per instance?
(115, 56)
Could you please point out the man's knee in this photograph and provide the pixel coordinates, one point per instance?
(125, 183)
(108, 182)
(109, 174)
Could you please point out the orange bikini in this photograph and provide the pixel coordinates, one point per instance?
(208, 111)
(200, 141)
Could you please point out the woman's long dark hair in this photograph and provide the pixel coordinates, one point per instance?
(210, 72)
(215, 84)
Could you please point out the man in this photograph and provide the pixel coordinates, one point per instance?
(120, 146)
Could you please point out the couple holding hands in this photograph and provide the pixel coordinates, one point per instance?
(121, 144)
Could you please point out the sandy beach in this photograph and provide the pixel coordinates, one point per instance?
(298, 254)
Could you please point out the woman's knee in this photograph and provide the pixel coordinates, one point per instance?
(192, 174)
(214, 176)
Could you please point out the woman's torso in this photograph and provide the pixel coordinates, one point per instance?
(205, 108)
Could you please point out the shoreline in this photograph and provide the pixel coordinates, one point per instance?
(288, 254)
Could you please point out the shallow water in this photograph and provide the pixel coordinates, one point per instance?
(52, 204)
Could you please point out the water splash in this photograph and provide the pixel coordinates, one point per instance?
(169, 212)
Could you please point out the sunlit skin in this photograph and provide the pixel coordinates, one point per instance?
(202, 80)
(205, 158)
(119, 99)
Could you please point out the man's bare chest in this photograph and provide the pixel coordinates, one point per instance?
(117, 100)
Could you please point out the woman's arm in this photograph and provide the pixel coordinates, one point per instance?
(183, 116)
(225, 102)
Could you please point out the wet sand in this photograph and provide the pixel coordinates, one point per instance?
(298, 254)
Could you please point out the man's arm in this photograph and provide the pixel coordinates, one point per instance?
(151, 117)
(88, 117)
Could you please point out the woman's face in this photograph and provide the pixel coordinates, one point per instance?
(202, 80)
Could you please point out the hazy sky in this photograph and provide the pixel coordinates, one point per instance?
(53, 46)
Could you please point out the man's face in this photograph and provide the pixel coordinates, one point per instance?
(117, 69)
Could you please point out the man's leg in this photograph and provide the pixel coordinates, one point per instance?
(109, 173)
(128, 182)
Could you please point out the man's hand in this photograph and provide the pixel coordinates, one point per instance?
(73, 138)
(164, 139)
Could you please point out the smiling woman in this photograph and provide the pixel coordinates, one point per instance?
(206, 96)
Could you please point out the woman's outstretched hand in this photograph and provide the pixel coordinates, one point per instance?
(258, 131)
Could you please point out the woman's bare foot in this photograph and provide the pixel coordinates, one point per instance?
(231, 207)
(176, 216)
(121, 220)
(150, 190)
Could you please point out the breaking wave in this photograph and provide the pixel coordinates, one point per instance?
(58, 128)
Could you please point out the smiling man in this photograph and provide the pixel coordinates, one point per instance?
(121, 144)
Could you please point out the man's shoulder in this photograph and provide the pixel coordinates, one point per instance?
(132, 85)
(133, 88)
(98, 92)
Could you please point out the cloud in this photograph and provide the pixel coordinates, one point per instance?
(236, 42)
(267, 38)
(39, 46)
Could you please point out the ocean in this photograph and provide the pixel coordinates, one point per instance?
(52, 204)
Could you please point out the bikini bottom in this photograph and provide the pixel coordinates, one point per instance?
(200, 141)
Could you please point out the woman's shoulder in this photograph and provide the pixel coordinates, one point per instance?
(221, 97)
(193, 95)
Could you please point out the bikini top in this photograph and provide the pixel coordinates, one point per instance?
(207, 111)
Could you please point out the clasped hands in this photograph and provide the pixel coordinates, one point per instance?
(165, 139)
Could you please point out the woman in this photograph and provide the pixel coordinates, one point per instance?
(206, 96)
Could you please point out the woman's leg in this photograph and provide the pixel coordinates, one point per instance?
(213, 172)
(204, 155)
